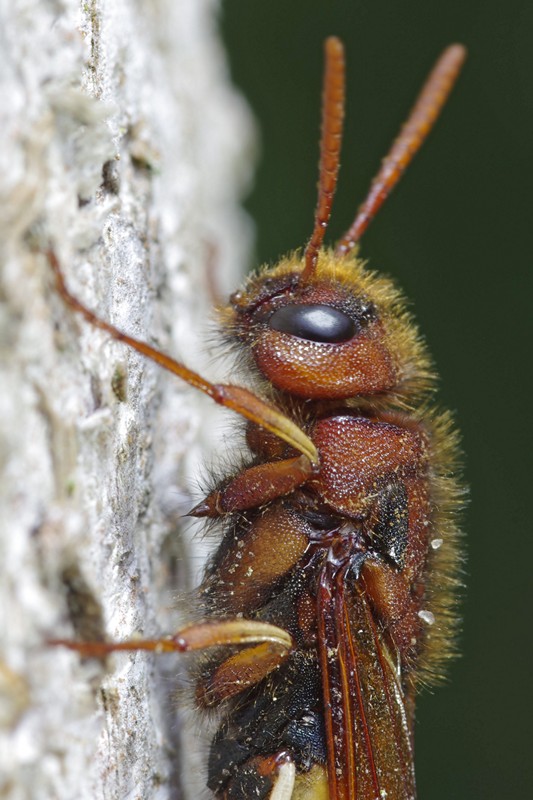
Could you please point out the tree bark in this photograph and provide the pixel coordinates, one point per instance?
(126, 150)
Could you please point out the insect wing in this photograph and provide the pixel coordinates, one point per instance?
(369, 740)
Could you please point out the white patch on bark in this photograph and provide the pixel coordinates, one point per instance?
(97, 446)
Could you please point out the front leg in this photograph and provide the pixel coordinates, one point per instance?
(256, 486)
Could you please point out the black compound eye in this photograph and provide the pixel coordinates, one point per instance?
(315, 322)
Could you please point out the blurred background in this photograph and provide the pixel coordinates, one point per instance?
(456, 236)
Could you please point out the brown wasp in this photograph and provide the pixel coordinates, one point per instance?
(331, 595)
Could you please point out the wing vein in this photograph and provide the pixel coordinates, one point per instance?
(345, 636)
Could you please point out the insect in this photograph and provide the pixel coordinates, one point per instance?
(331, 595)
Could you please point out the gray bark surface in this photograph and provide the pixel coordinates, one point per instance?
(98, 448)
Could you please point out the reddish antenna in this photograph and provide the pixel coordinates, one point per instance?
(427, 108)
(330, 147)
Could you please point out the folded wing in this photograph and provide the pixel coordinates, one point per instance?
(369, 740)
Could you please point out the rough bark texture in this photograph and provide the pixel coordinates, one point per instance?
(123, 145)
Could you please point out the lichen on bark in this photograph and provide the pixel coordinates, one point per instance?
(125, 147)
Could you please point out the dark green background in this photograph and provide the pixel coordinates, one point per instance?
(457, 236)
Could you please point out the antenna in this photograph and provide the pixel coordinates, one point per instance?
(330, 147)
(427, 108)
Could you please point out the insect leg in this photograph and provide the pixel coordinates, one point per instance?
(235, 398)
(256, 486)
(233, 675)
(198, 636)
(240, 671)
(284, 784)
(269, 777)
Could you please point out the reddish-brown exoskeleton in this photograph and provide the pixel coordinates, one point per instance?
(331, 593)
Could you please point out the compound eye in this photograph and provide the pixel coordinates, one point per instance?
(314, 322)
